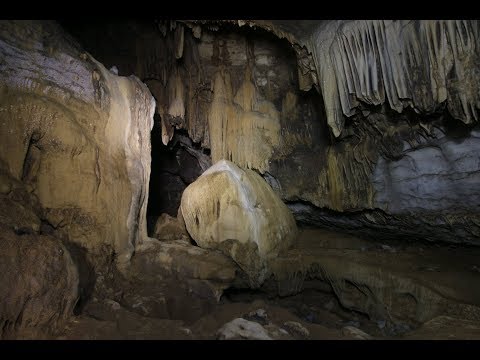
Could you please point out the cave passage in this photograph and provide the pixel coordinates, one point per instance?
(173, 168)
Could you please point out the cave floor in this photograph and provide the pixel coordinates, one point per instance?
(447, 270)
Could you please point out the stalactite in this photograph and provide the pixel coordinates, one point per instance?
(418, 64)
(179, 41)
(243, 128)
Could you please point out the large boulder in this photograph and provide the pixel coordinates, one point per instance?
(237, 212)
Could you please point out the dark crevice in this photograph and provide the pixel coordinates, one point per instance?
(377, 225)
(173, 167)
(86, 275)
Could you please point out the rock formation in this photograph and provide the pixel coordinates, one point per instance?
(237, 212)
(359, 110)
(77, 134)
(361, 126)
(169, 228)
(40, 279)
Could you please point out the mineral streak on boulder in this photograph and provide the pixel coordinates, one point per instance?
(237, 212)
(77, 133)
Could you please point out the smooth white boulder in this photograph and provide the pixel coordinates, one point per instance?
(238, 213)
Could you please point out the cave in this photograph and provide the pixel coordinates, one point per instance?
(239, 179)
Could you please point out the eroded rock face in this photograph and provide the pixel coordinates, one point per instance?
(237, 212)
(77, 135)
(375, 147)
(39, 286)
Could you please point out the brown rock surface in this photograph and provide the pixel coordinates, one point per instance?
(39, 285)
(77, 134)
(169, 228)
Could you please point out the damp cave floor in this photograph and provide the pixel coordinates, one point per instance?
(453, 271)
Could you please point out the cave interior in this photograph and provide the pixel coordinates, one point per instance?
(240, 179)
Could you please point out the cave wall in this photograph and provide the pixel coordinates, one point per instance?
(77, 136)
(236, 93)
(385, 144)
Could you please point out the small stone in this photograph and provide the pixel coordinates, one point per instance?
(114, 70)
(295, 328)
(356, 333)
(353, 323)
(239, 328)
(96, 75)
(381, 324)
(388, 248)
(113, 304)
(259, 315)
(186, 331)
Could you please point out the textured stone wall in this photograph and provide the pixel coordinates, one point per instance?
(77, 135)
(386, 136)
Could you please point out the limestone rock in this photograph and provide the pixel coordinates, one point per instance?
(377, 172)
(446, 328)
(237, 212)
(417, 63)
(203, 272)
(295, 328)
(241, 329)
(169, 228)
(86, 151)
(356, 333)
(259, 315)
(38, 286)
(385, 285)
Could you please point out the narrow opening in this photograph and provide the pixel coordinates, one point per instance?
(173, 167)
